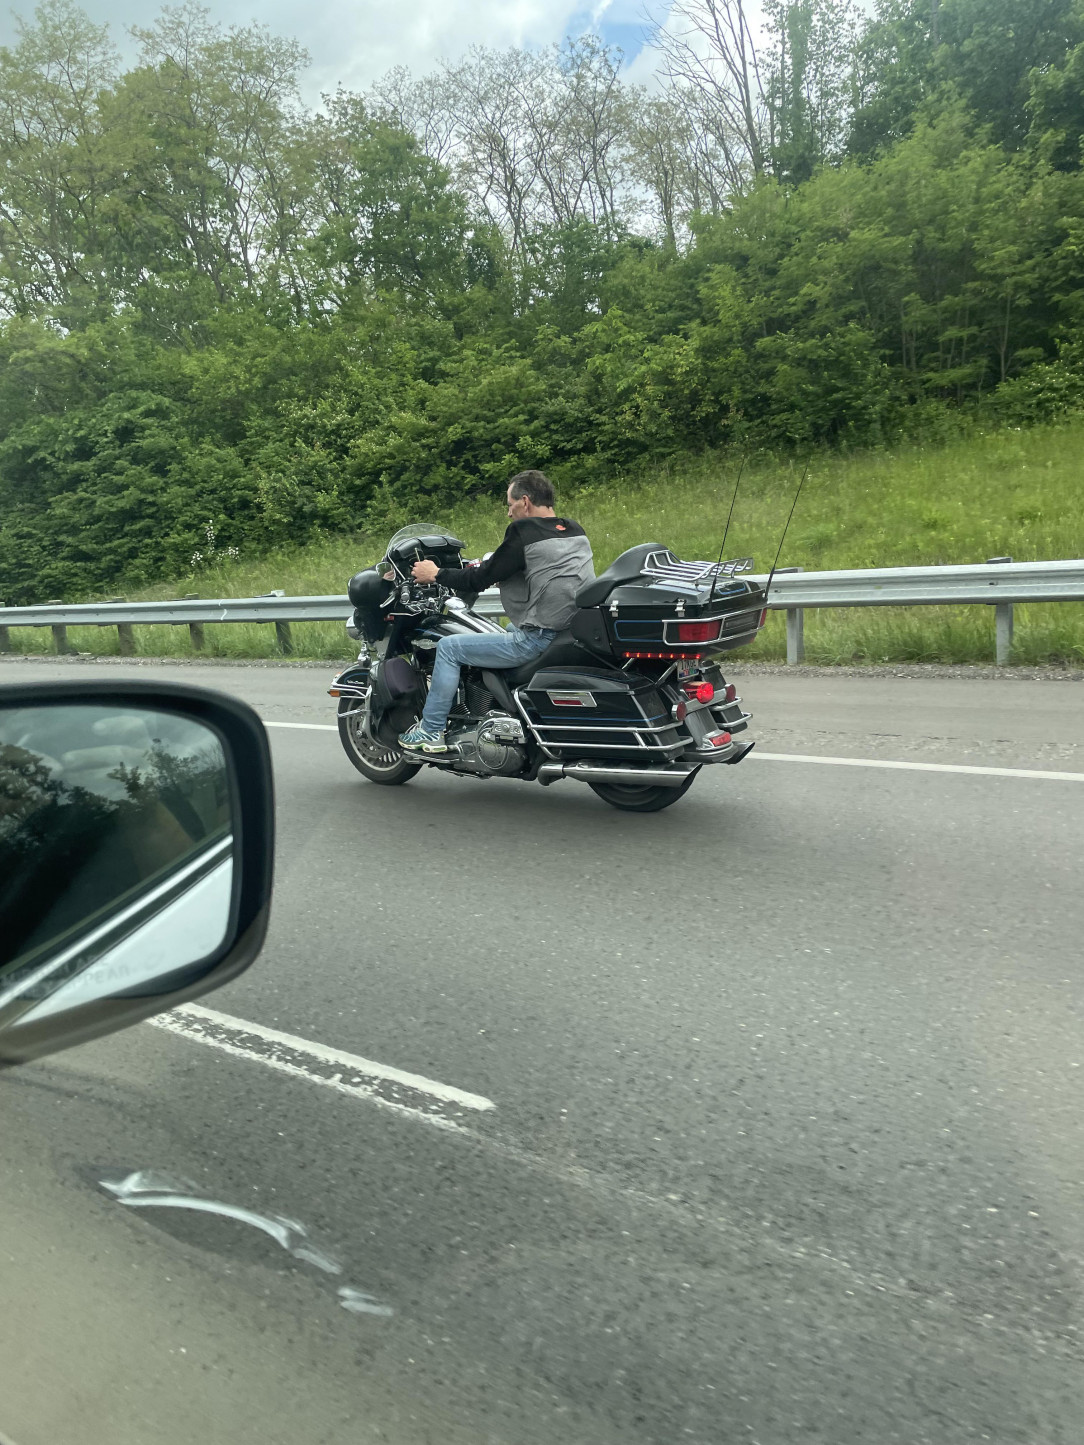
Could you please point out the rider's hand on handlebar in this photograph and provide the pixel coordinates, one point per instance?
(425, 571)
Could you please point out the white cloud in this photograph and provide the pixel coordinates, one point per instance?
(354, 45)
(644, 70)
(352, 42)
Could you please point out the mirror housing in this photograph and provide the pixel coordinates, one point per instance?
(136, 854)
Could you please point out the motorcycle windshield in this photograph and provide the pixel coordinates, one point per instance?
(431, 531)
(423, 539)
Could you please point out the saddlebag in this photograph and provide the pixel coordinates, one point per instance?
(581, 712)
(398, 698)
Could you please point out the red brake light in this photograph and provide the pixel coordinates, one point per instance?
(731, 692)
(763, 619)
(720, 740)
(700, 691)
(697, 631)
(678, 712)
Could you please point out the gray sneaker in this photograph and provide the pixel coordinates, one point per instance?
(420, 739)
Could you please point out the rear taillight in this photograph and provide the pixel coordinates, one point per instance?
(763, 619)
(698, 631)
(678, 711)
(720, 740)
(700, 691)
(731, 692)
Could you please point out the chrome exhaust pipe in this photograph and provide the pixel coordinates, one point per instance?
(668, 777)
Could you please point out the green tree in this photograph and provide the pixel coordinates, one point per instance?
(215, 185)
(389, 221)
(989, 48)
(1055, 105)
(812, 59)
(58, 167)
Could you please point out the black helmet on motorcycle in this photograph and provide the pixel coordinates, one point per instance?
(371, 596)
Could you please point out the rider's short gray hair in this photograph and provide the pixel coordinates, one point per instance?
(535, 486)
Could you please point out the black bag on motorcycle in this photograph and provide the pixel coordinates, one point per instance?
(584, 713)
(398, 698)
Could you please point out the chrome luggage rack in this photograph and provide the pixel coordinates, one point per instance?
(665, 567)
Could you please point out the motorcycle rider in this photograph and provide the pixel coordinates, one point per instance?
(540, 565)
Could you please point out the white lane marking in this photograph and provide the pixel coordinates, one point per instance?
(917, 767)
(763, 757)
(305, 1059)
(309, 727)
(446, 1092)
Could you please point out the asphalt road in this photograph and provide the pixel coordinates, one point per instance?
(787, 1141)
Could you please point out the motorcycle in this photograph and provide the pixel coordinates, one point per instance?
(630, 700)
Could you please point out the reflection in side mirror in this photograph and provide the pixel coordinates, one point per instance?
(135, 855)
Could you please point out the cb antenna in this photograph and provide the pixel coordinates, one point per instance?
(726, 529)
(783, 538)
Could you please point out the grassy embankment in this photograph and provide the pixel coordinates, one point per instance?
(1012, 493)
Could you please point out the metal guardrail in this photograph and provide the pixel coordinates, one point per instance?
(999, 583)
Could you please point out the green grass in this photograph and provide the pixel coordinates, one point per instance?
(1008, 492)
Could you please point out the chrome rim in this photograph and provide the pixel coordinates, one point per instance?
(375, 755)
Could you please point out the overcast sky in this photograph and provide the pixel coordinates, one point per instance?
(352, 42)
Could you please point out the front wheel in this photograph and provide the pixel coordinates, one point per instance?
(373, 760)
(640, 797)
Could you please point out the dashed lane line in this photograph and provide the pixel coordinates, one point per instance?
(427, 1099)
(914, 767)
(307, 727)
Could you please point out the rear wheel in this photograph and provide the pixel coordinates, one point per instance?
(373, 760)
(640, 797)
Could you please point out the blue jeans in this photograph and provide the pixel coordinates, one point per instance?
(510, 648)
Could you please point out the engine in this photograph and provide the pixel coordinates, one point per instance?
(492, 747)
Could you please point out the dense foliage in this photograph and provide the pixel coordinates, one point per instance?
(224, 309)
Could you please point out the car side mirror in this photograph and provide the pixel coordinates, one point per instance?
(136, 853)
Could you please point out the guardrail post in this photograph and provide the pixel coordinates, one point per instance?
(125, 635)
(5, 636)
(795, 627)
(795, 636)
(195, 629)
(60, 631)
(1003, 623)
(283, 635)
(1003, 612)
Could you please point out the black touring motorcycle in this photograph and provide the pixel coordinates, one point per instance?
(630, 700)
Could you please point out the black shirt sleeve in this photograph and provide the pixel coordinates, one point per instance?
(506, 561)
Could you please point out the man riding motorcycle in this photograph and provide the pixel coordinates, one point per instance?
(540, 565)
